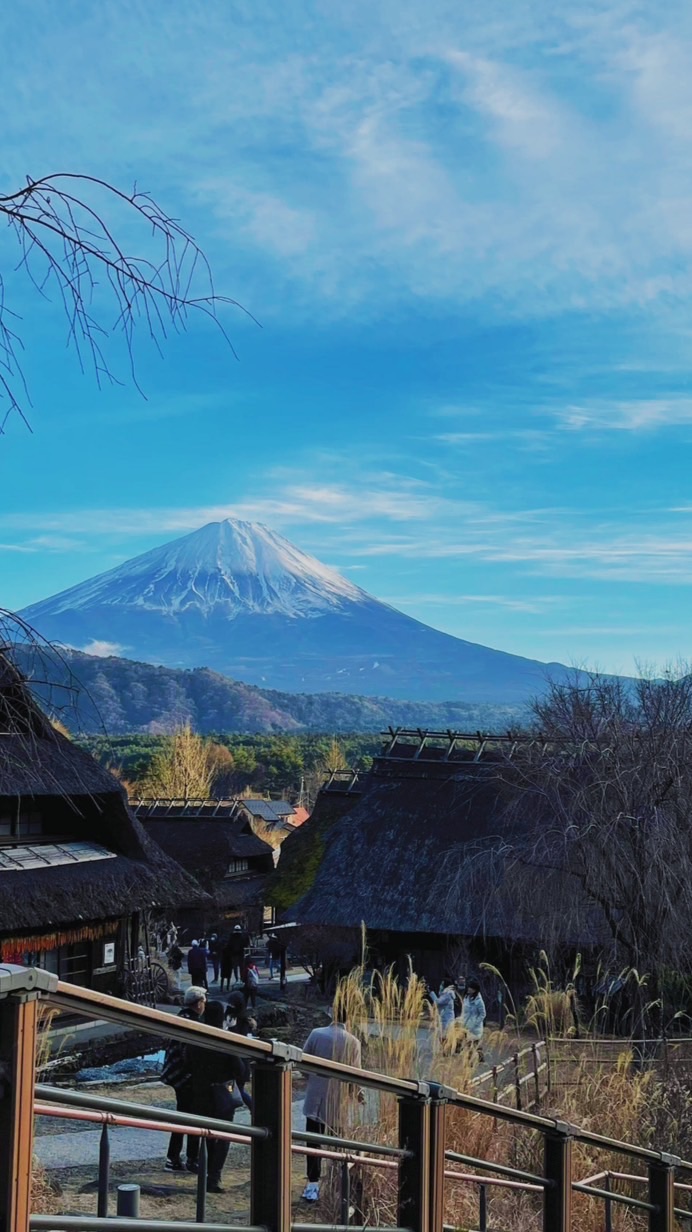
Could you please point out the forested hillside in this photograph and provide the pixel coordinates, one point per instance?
(273, 763)
(120, 696)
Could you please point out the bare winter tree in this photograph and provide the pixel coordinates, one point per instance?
(69, 230)
(602, 799)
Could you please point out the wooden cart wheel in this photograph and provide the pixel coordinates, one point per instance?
(159, 983)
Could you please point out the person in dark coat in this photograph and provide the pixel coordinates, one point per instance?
(212, 1073)
(197, 964)
(227, 965)
(239, 1022)
(176, 1073)
(214, 951)
(237, 945)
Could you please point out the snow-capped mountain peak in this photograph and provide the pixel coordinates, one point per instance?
(233, 567)
(239, 598)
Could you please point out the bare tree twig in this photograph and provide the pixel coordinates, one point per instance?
(68, 249)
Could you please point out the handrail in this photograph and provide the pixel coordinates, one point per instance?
(68, 1223)
(517, 1174)
(189, 1124)
(419, 1159)
(156, 1125)
(145, 1112)
(113, 1009)
(103, 1107)
(612, 1196)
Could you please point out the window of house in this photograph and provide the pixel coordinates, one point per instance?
(24, 823)
(237, 866)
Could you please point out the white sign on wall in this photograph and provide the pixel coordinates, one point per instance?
(109, 954)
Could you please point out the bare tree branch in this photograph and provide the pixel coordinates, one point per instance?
(68, 250)
(607, 799)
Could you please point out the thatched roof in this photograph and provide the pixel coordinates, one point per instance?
(206, 847)
(35, 759)
(420, 851)
(302, 852)
(41, 767)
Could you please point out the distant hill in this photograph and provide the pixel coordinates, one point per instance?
(124, 697)
(239, 598)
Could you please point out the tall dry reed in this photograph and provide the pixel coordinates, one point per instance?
(400, 1033)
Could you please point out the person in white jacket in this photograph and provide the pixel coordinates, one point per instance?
(446, 1008)
(473, 1015)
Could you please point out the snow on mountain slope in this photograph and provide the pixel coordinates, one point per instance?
(239, 598)
(236, 566)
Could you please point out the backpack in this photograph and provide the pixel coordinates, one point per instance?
(175, 1071)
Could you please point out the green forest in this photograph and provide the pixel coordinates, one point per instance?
(262, 763)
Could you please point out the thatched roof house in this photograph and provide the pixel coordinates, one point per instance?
(215, 842)
(417, 854)
(76, 869)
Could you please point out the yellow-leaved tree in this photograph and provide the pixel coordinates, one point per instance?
(187, 767)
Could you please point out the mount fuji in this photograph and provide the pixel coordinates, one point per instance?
(238, 597)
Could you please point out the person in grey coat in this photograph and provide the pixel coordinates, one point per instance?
(324, 1097)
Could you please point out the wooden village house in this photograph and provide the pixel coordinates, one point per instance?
(79, 875)
(214, 840)
(413, 851)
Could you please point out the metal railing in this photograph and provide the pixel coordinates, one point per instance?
(421, 1160)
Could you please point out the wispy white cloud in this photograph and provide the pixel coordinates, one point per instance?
(56, 543)
(539, 159)
(102, 649)
(505, 602)
(363, 521)
(636, 415)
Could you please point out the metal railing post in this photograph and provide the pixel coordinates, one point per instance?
(557, 1196)
(438, 1145)
(202, 1173)
(607, 1184)
(482, 1208)
(270, 1175)
(414, 1171)
(19, 991)
(345, 1193)
(662, 1195)
(104, 1173)
(517, 1082)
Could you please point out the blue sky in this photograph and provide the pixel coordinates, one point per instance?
(466, 232)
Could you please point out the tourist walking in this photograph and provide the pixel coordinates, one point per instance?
(273, 954)
(176, 1073)
(197, 964)
(237, 944)
(216, 1081)
(473, 1015)
(251, 984)
(445, 1004)
(240, 1023)
(214, 950)
(325, 1098)
(227, 965)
